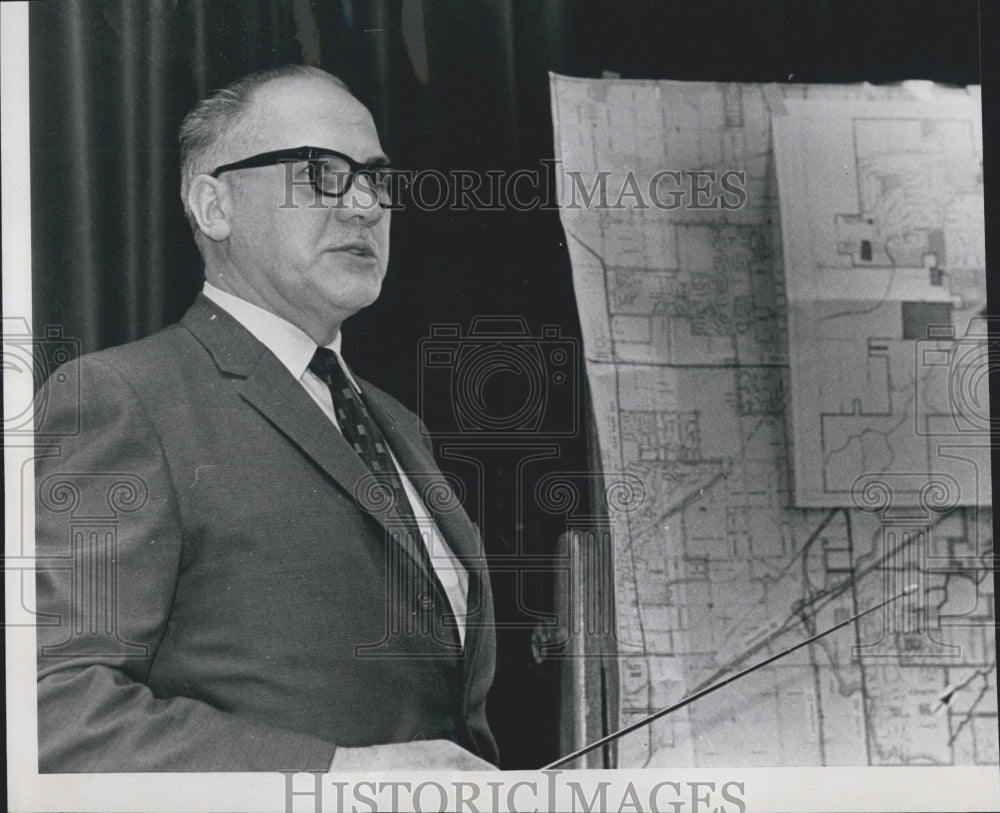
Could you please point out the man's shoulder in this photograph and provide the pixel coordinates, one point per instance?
(157, 369)
(86, 393)
(148, 360)
(202, 339)
(165, 342)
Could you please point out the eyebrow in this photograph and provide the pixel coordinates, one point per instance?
(380, 158)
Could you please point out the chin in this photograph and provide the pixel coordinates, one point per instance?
(355, 299)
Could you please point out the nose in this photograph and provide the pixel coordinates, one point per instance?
(360, 202)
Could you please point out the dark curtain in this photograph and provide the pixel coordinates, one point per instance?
(453, 84)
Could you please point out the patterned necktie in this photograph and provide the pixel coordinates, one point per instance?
(365, 437)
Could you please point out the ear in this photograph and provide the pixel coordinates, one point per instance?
(211, 204)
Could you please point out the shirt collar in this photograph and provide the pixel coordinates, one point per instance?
(292, 346)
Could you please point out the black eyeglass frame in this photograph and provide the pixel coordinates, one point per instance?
(312, 155)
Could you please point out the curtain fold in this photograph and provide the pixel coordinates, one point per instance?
(131, 95)
(160, 191)
(81, 176)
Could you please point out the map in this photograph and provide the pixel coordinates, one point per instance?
(887, 295)
(686, 313)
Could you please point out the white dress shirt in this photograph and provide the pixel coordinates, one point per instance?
(294, 349)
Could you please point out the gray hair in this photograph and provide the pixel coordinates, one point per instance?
(223, 116)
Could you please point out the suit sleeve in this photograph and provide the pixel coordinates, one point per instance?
(109, 540)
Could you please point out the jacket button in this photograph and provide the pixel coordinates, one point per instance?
(426, 601)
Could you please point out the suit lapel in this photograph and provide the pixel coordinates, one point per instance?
(270, 389)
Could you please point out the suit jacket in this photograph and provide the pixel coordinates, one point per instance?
(217, 589)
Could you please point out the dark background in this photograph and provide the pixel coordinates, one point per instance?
(113, 259)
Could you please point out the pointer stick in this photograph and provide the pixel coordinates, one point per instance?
(708, 690)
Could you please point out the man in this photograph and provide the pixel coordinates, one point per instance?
(287, 582)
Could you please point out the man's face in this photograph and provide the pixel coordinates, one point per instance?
(313, 266)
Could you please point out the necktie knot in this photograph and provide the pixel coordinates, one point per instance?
(325, 362)
(327, 367)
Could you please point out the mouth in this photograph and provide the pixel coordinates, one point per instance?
(357, 248)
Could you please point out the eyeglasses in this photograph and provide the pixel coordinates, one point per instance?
(330, 172)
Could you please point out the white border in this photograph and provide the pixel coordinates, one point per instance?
(765, 789)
